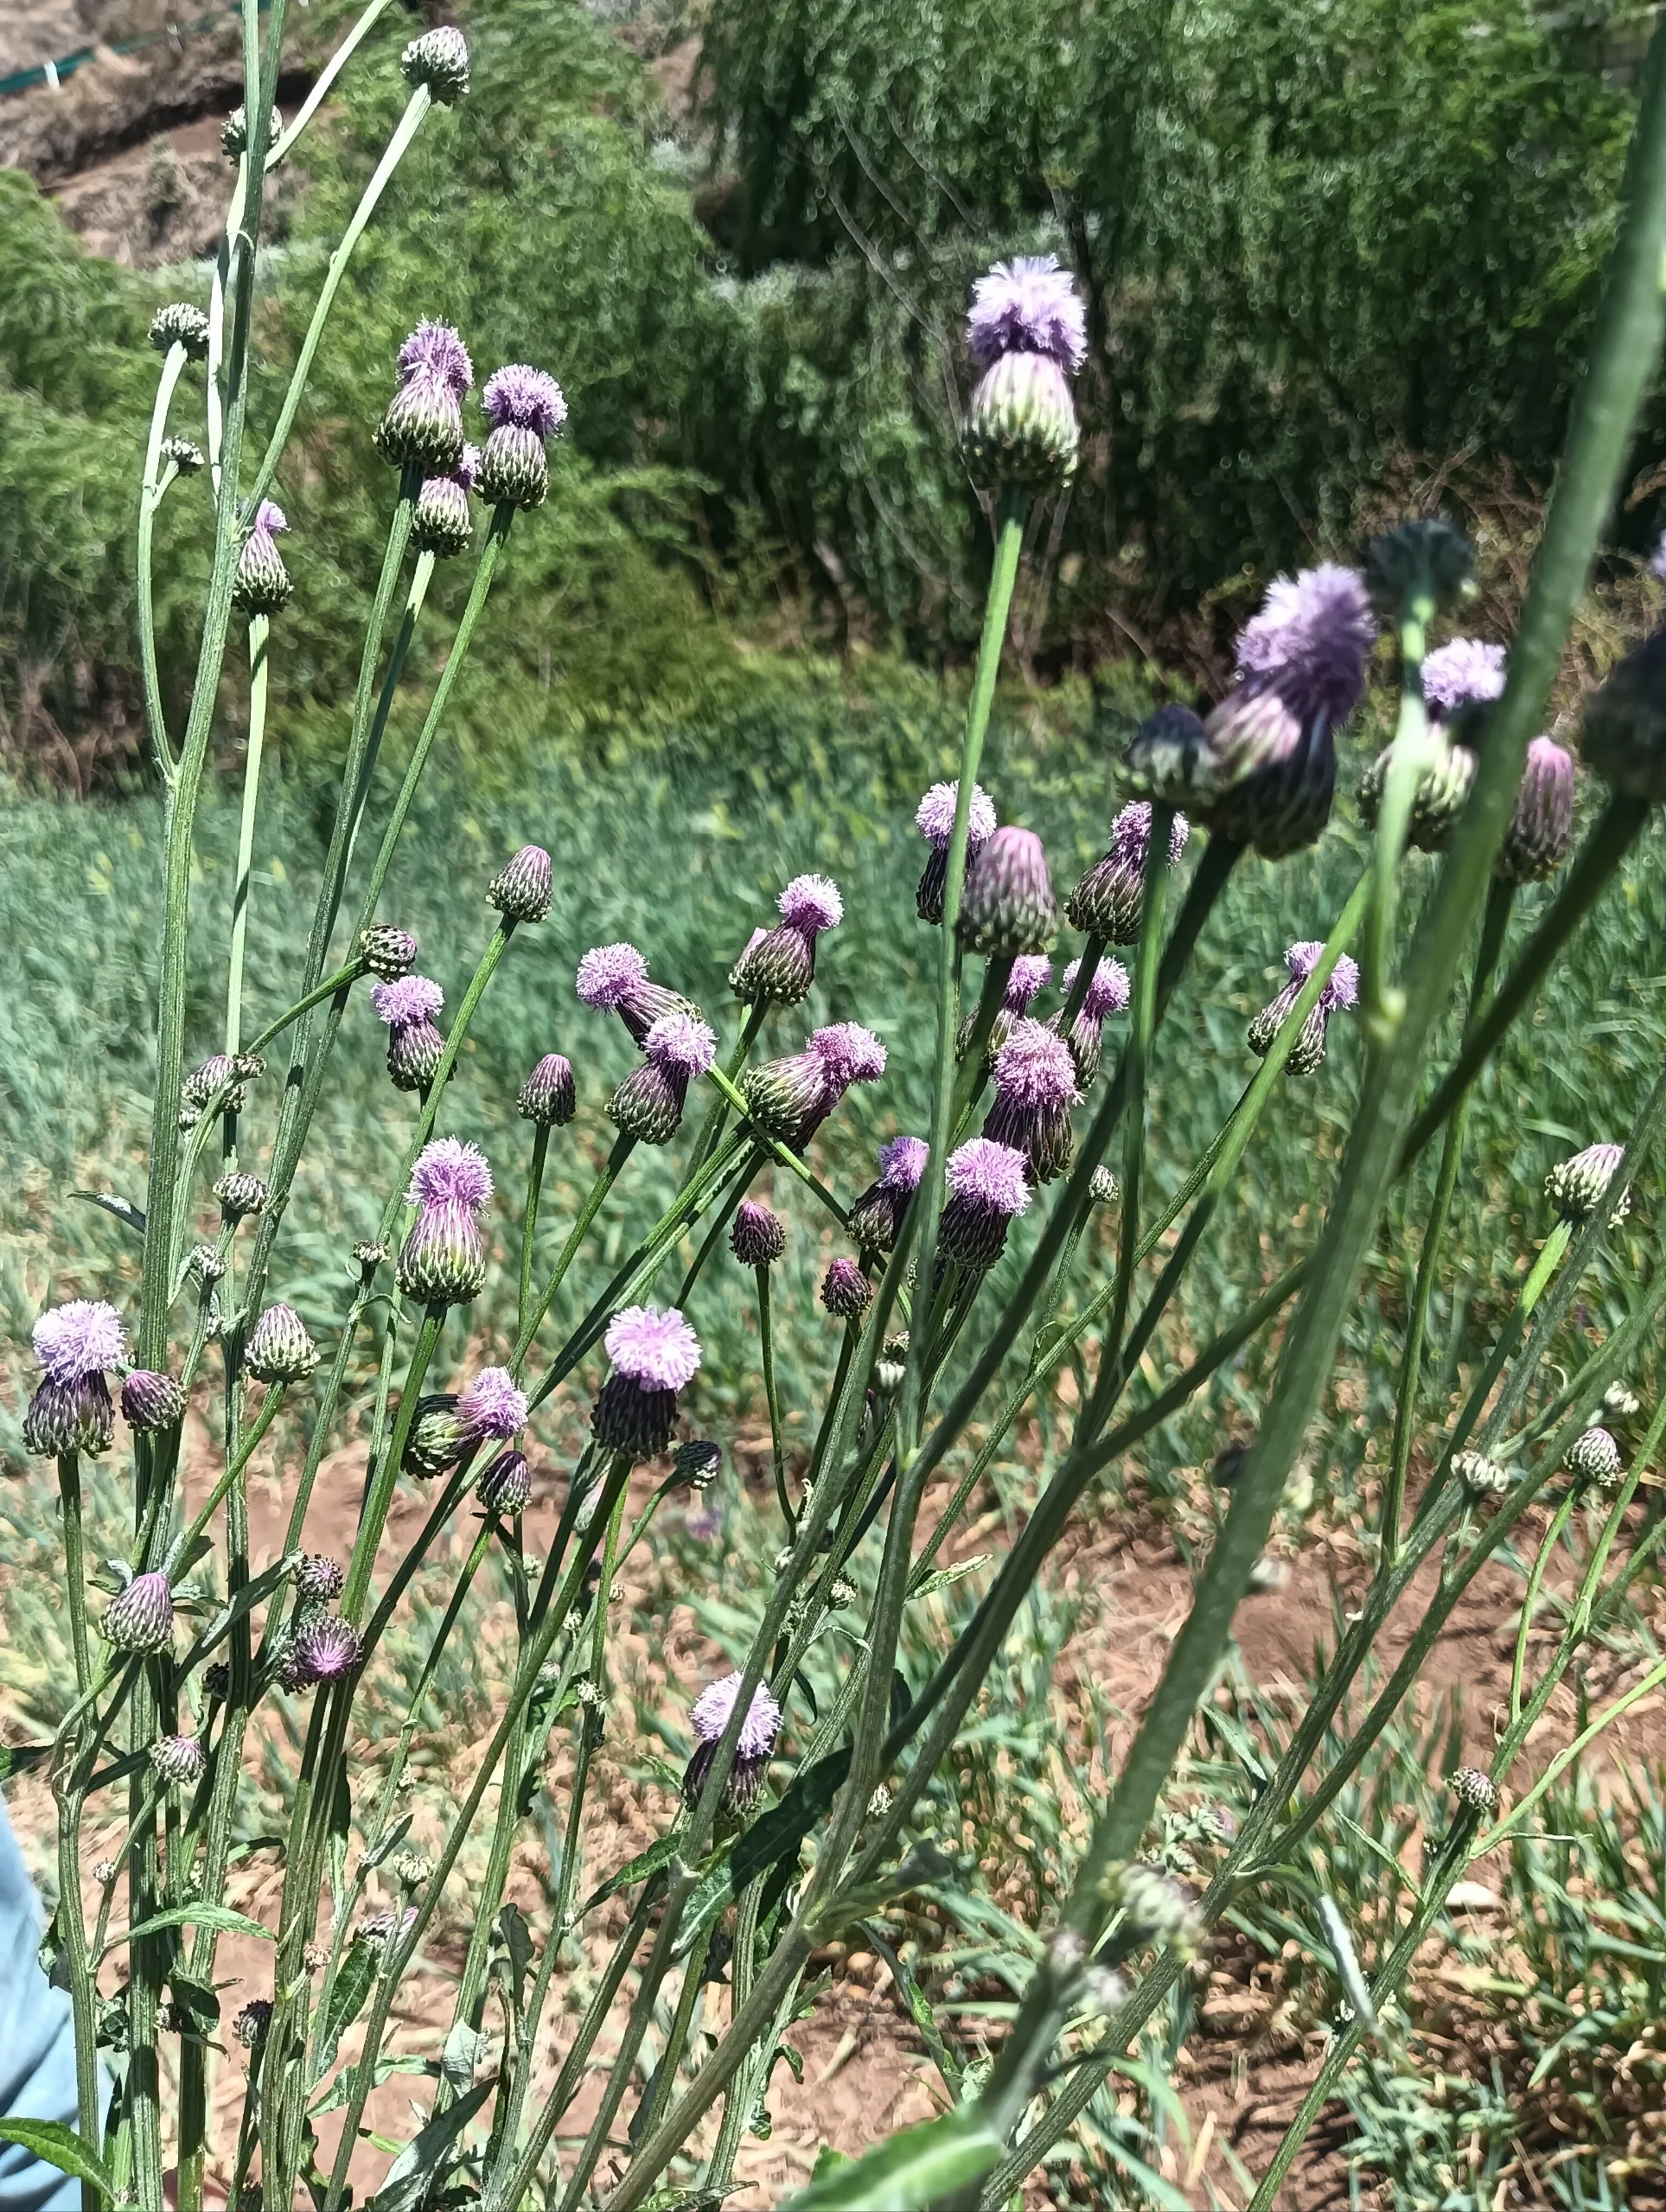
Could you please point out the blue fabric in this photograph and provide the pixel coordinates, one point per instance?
(37, 2043)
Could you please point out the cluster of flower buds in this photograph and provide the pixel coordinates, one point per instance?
(77, 1344)
(713, 1710)
(1027, 330)
(220, 1082)
(655, 1356)
(1340, 990)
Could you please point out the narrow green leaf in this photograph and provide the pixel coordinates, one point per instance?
(60, 2146)
(942, 1577)
(18, 1758)
(658, 1854)
(202, 1915)
(910, 2171)
(255, 1593)
(403, 2063)
(354, 1978)
(386, 1844)
(943, 2057)
(410, 2173)
(121, 1209)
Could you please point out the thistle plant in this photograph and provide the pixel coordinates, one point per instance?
(963, 1288)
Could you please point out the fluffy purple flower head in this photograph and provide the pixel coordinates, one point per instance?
(467, 468)
(435, 349)
(1314, 634)
(934, 816)
(82, 1337)
(528, 398)
(607, 975)
(811, 902)
(1131, 835)
(660, 1351)
(1108, 989)
(270, 519)
(1657, 560)
(681, 1043)
(1034, 1066)
(1027, 305)
(1463, 670)
(1031, 973)
(324, 1649)
(990, 1176)
(492, 1406)
(903, 1162)
(408, 998)
(451, 1173)
(1342, 989)
(758, 1731)
(848, 1053)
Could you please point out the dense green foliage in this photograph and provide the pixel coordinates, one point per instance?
(1295, 297)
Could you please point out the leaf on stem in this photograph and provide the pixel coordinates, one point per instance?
(60, 2146)
(411, 2173)
(910, 2171)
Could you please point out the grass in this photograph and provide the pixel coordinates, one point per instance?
(678, 841)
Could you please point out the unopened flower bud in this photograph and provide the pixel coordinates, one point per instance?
(422, 426)
(253, 2023)
(845, 1290)
(261, 584)
(758, 1237)
(1620, 1402)
(240, 1194)
(507, 1485)
(179, 1761)
(184, 453)
(319, 1580)
(549, 1096)
(1481, 1476)
(1160, 1909)
(151, 1402)
(1102, 1188)
(141, 1617)
(521, 889)
(1595, 1459)
(280, 1350)
(1475, 1792)
(371, 1256)
(1008, 906)
(208, 1262)
(234, 133)
(1541, 829)
(1577, 1187)
(387, 952)
(437, 1438)
(697, 1462)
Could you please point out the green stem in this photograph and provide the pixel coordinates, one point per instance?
(260, 634)
(1410, 757)
(150, 499)
(607, 1176)
(1554, 1534)
(410, 123)
(777, 1449)
(529, 1225)
(326, 78)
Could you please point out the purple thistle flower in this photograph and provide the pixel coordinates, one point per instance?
(507, 1485)
(1341, 990)
(406, 1000)
(1035, 1089)
(82, 1337)
(758, 1236)
(845, 1290)
(270, 519)
(655, 1356)
(849, 1053)
(779, 965)
(1465, 669)
(607, 974)
(648, 1104)
(681, 1042)
(151, 1401)
(491, 1407)
(1030, 974)
(877, 1215)
(713, 1712)
(435, 349)
(1008, 906)
(1314, 634)
(658, 1350)
(261, 584)
(1542, 828)
(323, 1650)
(441, 520)
(1108, 989)
(1109, 901)
(935, 820)
(1027, 305)
(141, 1617)
(451, 1173)
(988, 1188)
(526, 398)
(613, 979)
(811, 902)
